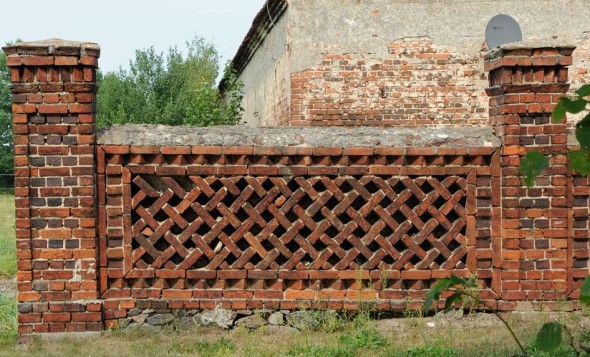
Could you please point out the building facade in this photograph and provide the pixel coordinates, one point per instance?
(381, 63)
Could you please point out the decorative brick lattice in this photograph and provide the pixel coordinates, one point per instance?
(301, 223)
(200, 222)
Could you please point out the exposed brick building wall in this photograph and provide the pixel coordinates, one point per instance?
(419, 84)
(303, 42)
(278, 221)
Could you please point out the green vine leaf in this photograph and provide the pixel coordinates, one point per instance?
(583, 132)
(579, 161)
(585, 291)
(455, 280)
(550, 337)
(573, 106)
(559, 112)
(434, 293)
(584, 90)
(532, 165)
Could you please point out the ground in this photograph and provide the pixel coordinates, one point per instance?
(440, 336)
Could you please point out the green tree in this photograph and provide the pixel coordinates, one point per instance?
(6, 145)
(171, 89)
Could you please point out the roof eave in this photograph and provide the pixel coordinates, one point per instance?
(271, 12)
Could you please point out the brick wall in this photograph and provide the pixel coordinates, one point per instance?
(525, 85)
(281, 222)
(53, 112)
(253, 227)
(419, 84)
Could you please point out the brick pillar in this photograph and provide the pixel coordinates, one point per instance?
(53, 86)
(531, 230)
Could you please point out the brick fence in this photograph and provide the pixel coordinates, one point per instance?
(284, 218)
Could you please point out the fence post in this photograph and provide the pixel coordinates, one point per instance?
(53, 86)
(531, 224)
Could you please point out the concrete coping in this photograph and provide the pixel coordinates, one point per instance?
(239, 135)
(527, 48)
(53, 47)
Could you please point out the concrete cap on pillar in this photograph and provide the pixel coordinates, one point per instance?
(561, 47)
(54, 47)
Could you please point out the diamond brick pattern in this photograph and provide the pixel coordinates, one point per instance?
(313, 223)
(201, 222)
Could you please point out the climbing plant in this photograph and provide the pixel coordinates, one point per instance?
(535, 162)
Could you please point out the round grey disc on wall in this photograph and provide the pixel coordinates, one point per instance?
(502, 29)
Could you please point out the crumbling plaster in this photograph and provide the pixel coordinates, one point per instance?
(369, 26)
(266, 79)
(310, 30)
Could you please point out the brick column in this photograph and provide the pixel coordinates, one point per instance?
(53, 86)
(531, 231)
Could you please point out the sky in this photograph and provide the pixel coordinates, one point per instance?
(122, 26)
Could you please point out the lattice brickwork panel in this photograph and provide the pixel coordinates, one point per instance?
(302, 223)
(199, 226)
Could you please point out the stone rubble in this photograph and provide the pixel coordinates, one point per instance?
(285, 321)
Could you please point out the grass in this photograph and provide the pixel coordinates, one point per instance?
(7, 321)
(413, 336)
(7, 271)
(7, 240)
(472, 336)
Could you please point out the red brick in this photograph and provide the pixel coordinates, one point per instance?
(89, 61)
(300, 295)
(177, 294)
(237, 294)
(12, 61)
(237, 150)
(37, 60)
(263, 170)
(207, 150)
(52, 109)
(327, 151)
(176, 150)
(66, 61)
(56, 317)
(81, 108)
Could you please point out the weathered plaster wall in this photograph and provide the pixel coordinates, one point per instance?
(369, 26)
(419, 62)
(266, 80)
(579, 72)
(396, 62)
